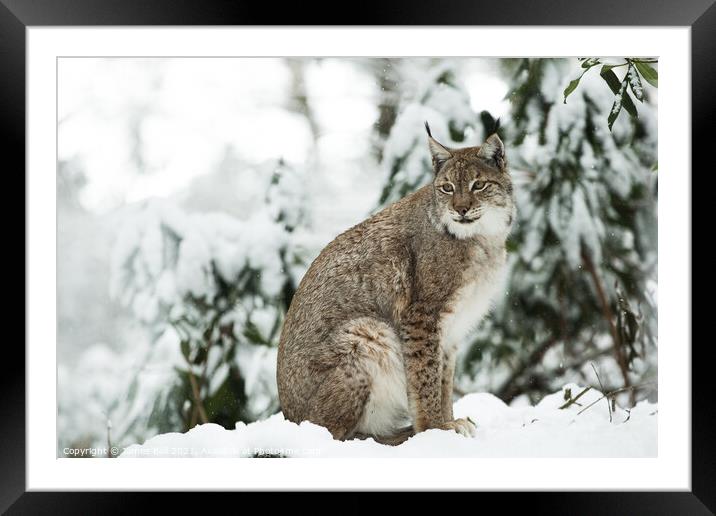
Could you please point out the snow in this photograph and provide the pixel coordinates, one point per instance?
(487, 90)
(182, 110)
(635, 82)
(257, 365)
(180, 157)
(519, 430)
(340, 95)
(163, 254)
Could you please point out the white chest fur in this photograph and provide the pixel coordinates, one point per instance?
(483, 283)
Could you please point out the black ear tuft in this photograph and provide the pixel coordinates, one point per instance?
(427, 128)
(438, 152)
(496, 126)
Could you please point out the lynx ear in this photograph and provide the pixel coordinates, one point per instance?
(493, 150)
(438, 151)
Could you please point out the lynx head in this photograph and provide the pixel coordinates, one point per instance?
(472, 189)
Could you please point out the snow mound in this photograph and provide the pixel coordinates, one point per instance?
(543, 430)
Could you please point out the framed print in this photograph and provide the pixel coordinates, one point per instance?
(438, 253)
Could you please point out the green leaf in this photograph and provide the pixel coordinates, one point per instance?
(589, 62)
(252, 333)
(620, 96)
(628, 103)
(614, 113)
(610, 78)
(571, 87)
(587, 65)
(185, 349)
(635, 83)
(650, 75)
(619, 88)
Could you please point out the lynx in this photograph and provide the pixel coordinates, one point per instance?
(368, 347)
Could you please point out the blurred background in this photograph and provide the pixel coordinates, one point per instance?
(192, 195)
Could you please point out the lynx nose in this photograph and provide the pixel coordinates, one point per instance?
(462, 210)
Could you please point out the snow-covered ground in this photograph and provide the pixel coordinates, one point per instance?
(543, 430)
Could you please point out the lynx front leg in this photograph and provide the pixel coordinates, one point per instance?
(424, 374)
(423, 371)
(448, 378)
(462, 426)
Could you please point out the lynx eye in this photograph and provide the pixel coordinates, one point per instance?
(479, 186)
(447, 188)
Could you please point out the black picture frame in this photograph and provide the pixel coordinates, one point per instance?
(17, 15)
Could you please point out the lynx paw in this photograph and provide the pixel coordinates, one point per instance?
(463, 426)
